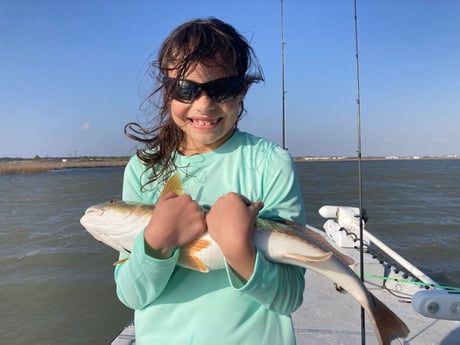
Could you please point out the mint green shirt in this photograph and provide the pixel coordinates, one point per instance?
(174, 305)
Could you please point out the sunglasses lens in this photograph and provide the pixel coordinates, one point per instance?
(223, 90)
(220, 90)
(185, 91)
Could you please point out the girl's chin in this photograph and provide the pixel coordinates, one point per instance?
(205, 143)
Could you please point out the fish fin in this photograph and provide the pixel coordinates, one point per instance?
(324, 243)
(345, 258)
(173, 185)
(305, 258)
(387, 324)
(188, 256)
(121, 261)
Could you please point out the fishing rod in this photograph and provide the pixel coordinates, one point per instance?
(359, 155)
(282, 76)
(360, 179)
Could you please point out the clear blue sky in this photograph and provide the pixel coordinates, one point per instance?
(73, 73)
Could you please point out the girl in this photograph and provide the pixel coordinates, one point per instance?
(204, 69)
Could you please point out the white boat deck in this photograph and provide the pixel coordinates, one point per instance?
(330, 317)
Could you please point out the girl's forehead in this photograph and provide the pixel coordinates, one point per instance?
(205, 71)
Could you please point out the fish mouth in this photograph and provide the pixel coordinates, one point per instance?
(94, 211)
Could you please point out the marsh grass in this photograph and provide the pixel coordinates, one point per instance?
(42, 165)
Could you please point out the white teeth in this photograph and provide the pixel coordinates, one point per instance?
(204, 123)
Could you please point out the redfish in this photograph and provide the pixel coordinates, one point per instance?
(116, 223)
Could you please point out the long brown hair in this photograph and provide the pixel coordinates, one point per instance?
(207, 41)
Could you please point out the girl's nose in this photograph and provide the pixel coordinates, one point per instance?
(203, 102)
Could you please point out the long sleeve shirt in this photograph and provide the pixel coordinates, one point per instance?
(175, 305)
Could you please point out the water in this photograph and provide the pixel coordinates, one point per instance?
(413, 206)
(56, 283)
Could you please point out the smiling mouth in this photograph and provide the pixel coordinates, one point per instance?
(204, 123)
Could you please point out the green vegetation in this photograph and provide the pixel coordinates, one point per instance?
(9, 166)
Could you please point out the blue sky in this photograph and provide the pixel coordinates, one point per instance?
(73, 73)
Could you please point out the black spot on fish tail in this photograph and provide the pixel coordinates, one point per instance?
(340, 289)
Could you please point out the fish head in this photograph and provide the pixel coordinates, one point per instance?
(116, 221)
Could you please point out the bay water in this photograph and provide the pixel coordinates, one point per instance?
(56, 281)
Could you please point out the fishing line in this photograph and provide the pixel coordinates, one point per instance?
(408, 281)
(360, 192)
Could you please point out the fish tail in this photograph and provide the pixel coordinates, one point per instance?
(387, 324)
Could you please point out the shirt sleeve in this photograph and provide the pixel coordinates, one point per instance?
(282, 194)
(142, 278)
(135, 286)
(276, 286)
(132, 184)
(279, 287)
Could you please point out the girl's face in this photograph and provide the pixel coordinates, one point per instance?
(206, 123)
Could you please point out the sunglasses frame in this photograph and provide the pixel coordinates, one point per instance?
(219, 90)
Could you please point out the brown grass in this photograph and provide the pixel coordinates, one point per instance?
(42, 165)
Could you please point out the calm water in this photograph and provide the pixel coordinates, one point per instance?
(56, 283)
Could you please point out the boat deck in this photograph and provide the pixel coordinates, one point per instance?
(328, 316)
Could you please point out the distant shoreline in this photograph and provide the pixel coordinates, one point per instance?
(12, 166)
(373, 158)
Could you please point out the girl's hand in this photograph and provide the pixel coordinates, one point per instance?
(230, 222)
(176, 221)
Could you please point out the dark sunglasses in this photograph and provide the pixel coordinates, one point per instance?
(219, 90)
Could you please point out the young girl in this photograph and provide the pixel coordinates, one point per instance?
(204, 69)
